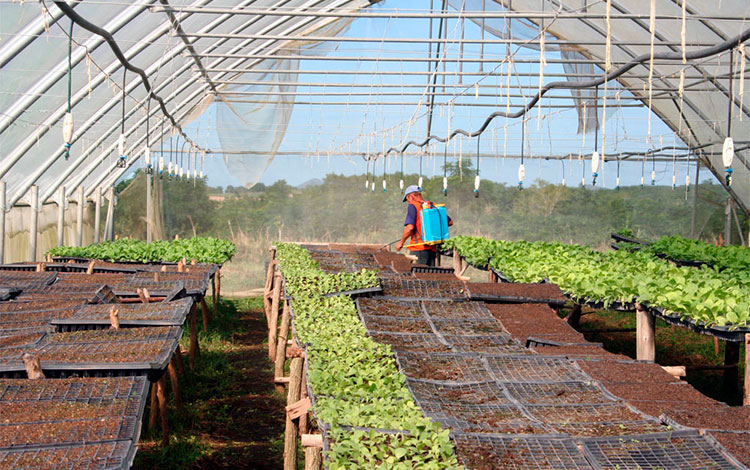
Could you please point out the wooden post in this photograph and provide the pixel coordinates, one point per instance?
(213, 293)
(161, 396)
(574, 317)
(303, 424)
(313, 458)
(193, 337)
(204, 314)
(456, 262)
(218, 285)
(491, 276)
(746, 395)
(34, 223)
(281, 346)
(172, 370)
(97, 213)
(179, 361)
(290, 432)
(645, 334)
(154, 410)
(268, 288)
(273, 316)
(731, 359)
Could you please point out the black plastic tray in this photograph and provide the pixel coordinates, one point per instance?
(153, 314)
(24, 279)
(736, 334)
(420, 268)
(7, 293)
(112, 455)
(622, 238)
(357, 292)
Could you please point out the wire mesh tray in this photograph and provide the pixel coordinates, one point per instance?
(675, 450)
(34, 434)
(37, 306)
(376, 306)
(150, 314)
(452, 367)
(535, 369)
(7, 293)
(514, 452)
(421, 268)
(78, 389)
(397, 324)
(584, 413)
(516, 293)
(356, 292)
(469, 327)
(457, 310)
(415, 342)
(112, 455)
(474, 393)
(501, 344)
(554, 393)
(506, 418)
(404, 288)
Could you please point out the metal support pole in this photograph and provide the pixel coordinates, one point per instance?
(149, 212)
(97, 213)
(2, 222)
(111, 214)
(61, 216)
(693, 220)
(34, 223)
(79, 218)
(728, 222)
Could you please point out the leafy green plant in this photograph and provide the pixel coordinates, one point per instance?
(201, 249)
(685, 249)
(355, 379)
(707, 295)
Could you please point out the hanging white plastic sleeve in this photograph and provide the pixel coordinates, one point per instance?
(420, 182)
(384, 186)
(476, 185)
(401, 185)
(121, 145)
(521, 175)
(445, 184)
(727, 156)
(68, 128)
(595, 162)
(161, 165)
(653, 177)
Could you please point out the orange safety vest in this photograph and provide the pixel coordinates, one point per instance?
(416, 236)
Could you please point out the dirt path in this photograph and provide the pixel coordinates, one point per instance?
(233, 416)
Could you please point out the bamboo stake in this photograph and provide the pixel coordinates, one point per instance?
(172, 369)
(273, 316)
(281, 346)
(313, 458)
(194, 348)
(290, 433)
(160, 394)
(153, 411)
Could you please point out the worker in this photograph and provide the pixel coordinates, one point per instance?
(413, 227)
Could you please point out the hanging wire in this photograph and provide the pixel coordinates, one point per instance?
(147, 151)
(445, 170)
(521, 168)
(595, 154)
(161, 151)
(421, 154)
(384, 165)
(617, 181)
(728, 150)
(476, 178)
(401, 181)
(68, 120)
(121, 162)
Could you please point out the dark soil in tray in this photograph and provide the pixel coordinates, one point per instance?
(375, 306)
(103, 455)
(425, 343)
(534, 368)
(23, 412)
(469, 327)
(525, 320)
(435, 276)
(134, 351)
(478, 418)
(673, 392)
(396, 261)
(566, 414)
(396, 324)
(557, 393)
(495, 344)
(579, 352)
(481, 393)
(435, 367)
(108, 336)
(607, 371)
(529, 291)
(456, 310)
(75, 389)
(58, 432)
(514, 453)
(736, 444)
(718, 416)
(414, 288)
(19, 340)
(39, 305)
(624, 428)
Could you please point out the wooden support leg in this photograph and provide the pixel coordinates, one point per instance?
(204, 314)
(179, 361)
(290, 432)
(194, 348)
(213, 293)
(491, 276)
(731, 359)
(172, 370)
(574, 317)
(303, 423)
(273, 318)
(218, 285)
(269, 288)
(645, 335)
(456, 263)
(153, 413)
(716, 346)
(313, 458)
(161, 395)
(281, 346)
(746, 395)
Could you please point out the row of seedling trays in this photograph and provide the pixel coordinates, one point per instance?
(87, 411)
(508, 407)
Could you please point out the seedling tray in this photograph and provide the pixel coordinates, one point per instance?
(500, 344)
(726, 333)
(7, 293)
(376, 306)
(558, 393)
(112, 455)
(678, 450)
(457, 310)
(449, 367)
(508, 418)
(397, 324)
(423, 343)
(421, 268)
(562, 414)
(414, 289)
(621, 238)
(475, 393)
(25, 279)
(532, 368)
(532, 341)
(151, 314)
(78, 390)
(469, 327)
(518, 452)
(357, 292)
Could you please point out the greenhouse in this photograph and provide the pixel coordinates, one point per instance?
(204, 261)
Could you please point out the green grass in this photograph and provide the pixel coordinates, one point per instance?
(231, 412)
